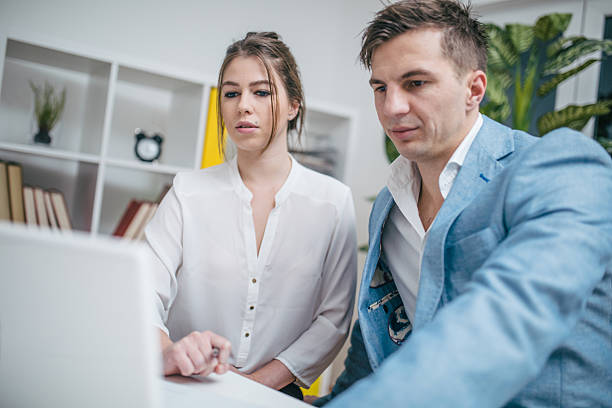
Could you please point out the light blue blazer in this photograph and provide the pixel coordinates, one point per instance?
(515, 295)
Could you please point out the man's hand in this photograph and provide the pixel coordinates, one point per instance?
(198, 353)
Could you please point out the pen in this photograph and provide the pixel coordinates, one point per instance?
(216, 351)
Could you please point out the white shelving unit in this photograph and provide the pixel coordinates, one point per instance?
(91, 158)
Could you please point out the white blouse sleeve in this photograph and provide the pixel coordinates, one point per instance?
(315, 349)
(164, 240)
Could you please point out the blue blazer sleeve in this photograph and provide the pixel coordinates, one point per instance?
(547, 254)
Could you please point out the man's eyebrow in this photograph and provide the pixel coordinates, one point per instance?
(415, 73)
(409, 74)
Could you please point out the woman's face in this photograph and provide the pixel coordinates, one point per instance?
(246, 105)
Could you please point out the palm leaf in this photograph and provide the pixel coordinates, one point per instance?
(390, 150)
(556, 46)
(501, 53)
(606, 144)
(570, 54)
(573, 116)
(497, 112)
(548, 86)
(523, 93)
(498, 84)
(549, 26)
(498, 106)
(521, 36)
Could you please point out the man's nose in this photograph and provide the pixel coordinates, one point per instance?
(397, 103)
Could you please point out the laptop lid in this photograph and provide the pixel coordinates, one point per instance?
(76, 327)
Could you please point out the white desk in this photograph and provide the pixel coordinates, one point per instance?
(229, 390)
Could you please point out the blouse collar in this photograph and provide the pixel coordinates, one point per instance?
(245, 194)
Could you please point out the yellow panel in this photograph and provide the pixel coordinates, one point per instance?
(314, 388)
(211, 155)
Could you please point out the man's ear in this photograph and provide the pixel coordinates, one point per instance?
(294, 108)
(477, 86)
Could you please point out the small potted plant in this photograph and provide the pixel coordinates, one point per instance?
(48, 107)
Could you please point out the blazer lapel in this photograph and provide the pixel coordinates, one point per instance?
(492, 143)
(385, 201)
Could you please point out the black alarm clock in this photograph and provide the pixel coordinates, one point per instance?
(147, 148)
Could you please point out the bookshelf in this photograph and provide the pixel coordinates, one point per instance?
(91, 158)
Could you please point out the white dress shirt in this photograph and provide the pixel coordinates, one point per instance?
(404, 237)
(292, 302)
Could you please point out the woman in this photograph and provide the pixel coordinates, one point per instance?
(259, 252)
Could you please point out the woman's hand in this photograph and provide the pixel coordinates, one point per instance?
(198, 353)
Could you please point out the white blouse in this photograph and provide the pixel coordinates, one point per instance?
(293, 302)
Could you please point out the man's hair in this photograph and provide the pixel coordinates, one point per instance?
(464, 40)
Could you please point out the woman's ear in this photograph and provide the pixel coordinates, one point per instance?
(294, 108)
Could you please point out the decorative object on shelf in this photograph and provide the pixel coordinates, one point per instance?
(147, 148)
(48, 107)
(320, 160)
(530, 62)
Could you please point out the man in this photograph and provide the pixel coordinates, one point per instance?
(490, 250)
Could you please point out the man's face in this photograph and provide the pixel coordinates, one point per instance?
(421, 100)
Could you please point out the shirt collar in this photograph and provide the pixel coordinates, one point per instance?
(405, 173)
(463, 148)
(452, 167)
(245, 194)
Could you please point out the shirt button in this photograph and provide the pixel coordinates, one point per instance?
(254, 280)
(246, 334)
(251, 307)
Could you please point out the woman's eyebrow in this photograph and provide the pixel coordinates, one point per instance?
(254, 83)
(260, 82)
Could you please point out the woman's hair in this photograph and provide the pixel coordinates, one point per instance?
(276, 57)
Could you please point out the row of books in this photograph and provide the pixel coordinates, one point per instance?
(136, 216)
(134, 219)
(30, 205)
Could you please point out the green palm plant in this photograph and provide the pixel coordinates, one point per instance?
(526, 63)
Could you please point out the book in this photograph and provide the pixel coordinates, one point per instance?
(15, 183)
(137, 220)
(126, 218)
(29, 205)
(163, 193)
(41, 210)
(50, 212)
(140, 234)
(5, 205)
(61, 210)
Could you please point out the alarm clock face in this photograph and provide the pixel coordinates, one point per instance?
(147, 148)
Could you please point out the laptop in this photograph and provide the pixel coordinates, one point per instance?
(76, 330)
(76, 323)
